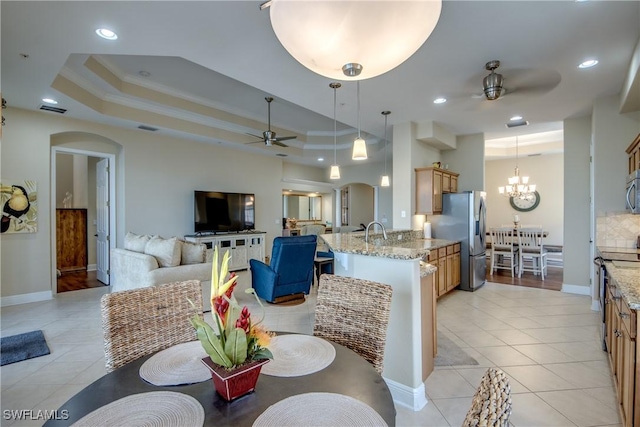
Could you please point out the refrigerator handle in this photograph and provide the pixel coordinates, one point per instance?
(481, 224)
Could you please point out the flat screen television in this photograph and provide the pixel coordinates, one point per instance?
(223, 212)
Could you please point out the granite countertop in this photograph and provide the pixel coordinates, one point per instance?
(426, 269)
(628, 281)
(400, 244)
(625, 275)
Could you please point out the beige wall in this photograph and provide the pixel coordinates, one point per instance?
(156, 179)
(550, 185)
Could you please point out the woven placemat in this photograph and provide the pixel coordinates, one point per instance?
(319, 409)
(153, 409)
(176, 365)
(296, 355)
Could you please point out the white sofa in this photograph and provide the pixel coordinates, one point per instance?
(152, 260)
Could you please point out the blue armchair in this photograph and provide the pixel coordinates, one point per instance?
(290, 272)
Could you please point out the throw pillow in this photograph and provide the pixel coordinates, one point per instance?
(135, 242)
(166, 251)
(193, 253)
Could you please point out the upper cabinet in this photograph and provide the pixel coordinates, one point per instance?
(431, 183)
(634, 155)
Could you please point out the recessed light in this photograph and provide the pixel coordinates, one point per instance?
(588, 63)
(49, 101)
(514, 118)
(321, 159)
(440, 100)
(106, 34)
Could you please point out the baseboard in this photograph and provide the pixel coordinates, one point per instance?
(576, 289)
(26, 298)
(412, 398)
(92, 267)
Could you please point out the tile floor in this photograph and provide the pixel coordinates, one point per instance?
(546, 341)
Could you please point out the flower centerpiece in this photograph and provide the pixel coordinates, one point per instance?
(238, 346)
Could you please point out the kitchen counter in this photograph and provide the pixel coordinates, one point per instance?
(400, 244)
(625, 274)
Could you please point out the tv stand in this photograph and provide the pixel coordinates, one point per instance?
(242, 245)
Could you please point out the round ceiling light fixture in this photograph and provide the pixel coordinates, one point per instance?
(106, 34)
(326, 36)
(588, 63)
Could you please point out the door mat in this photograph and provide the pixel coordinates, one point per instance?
(450, 354)
(22, 346)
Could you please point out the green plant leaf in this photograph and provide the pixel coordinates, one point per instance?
(210, 342)
(233, 314)
(236, 346)
(263, 353)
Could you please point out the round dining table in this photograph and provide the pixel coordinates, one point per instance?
(349, 374)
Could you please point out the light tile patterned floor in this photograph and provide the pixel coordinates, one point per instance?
(546, 341)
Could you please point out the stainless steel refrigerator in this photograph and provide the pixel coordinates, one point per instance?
(463, 218)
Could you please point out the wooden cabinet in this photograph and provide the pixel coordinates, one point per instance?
(241, 247)
(621, 326)
(447, 260)
(431, 183)
(634, 154)
(71, 239)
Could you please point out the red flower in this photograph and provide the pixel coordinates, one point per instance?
(244, 321)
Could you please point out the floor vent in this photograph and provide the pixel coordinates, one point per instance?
(53, 109)
(149, 128)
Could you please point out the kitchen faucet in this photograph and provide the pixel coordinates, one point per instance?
(366, 231)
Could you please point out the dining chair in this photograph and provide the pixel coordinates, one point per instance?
(533, 255)
(491, 404)
(141, 321)
(504, 254)
(354, 313)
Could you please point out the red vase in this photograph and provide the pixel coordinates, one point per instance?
(233, 383)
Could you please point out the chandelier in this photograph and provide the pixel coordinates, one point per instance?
(518, 186)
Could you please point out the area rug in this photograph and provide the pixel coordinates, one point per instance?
(23, 346)
(450, 354)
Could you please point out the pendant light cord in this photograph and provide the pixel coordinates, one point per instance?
(385, 143)
(335, 137)
(358, 94)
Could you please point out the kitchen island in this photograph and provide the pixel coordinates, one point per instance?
(398, 261)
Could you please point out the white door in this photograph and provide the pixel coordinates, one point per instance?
(102, 215)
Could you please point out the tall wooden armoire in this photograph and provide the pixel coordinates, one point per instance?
(71, 239)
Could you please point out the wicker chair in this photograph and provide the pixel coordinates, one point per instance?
(354, 313)
(491, 405)
(139, 322)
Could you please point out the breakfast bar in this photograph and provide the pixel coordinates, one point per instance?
(398, 261)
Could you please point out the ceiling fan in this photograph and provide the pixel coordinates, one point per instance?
(269, 137)
(518, 81)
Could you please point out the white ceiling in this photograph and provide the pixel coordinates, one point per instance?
(224, 56)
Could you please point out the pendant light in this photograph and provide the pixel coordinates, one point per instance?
(379, 35)
(335, 169)
(384, 182)
(359, 145)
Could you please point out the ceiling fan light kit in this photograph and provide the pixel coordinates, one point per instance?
(378, 36)
(493, 83)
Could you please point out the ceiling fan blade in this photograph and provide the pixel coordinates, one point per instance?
(255, 142)
(278, 143)
(255, 136)
(285, 138)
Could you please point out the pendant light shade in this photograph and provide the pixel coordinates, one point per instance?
(384, 181)
(359, 149)
(379, 35)
(359, 145)
(335, 169)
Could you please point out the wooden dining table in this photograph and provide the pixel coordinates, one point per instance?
(349, 374)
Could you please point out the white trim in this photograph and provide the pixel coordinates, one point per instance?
(412, 398)
(595, 305)
(576, 289)
(26, 298)
(92, 267)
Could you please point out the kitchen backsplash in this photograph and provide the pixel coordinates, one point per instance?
(617, 229)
